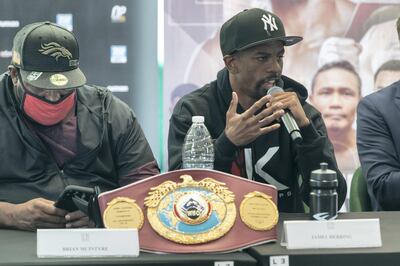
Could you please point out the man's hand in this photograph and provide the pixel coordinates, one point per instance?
(290, 101)
(78, 219)
(37, 213)
(244, 128)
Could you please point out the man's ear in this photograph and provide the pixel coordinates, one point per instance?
(13, 73)
(231, 63)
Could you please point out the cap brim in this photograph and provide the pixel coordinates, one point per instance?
(287, 41)
(54, 80)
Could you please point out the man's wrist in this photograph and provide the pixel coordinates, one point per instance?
(7, 214)
(224, 147)
(229, 138)
(309, 133)
(305, 122)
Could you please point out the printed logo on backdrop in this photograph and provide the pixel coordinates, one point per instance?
(5, 54)
(269, 21)
(118, 54)
(9, 23)
(65, 20)
(118, 14)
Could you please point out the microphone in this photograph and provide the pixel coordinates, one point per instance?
(288, 120)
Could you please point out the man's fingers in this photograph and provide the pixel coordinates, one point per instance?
(268, 129)
(287, 99)
(77, 219)
(269, 119)
(82, 222)
(47, 218)
(49, 225)
(232, 106)
(279, 95)
(282, 95)
(268, 111)
(72, 216)
(44, 206)
(48, 208)
(257, 106)
(286, 103)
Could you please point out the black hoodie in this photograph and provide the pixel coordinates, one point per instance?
(271, 158)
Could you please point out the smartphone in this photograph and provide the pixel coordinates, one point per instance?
(74, 198)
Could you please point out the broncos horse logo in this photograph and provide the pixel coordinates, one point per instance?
(55, 50)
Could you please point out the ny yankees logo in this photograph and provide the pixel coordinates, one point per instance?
(55, 50)
(269, 20)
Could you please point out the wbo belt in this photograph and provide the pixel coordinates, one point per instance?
(194, 211)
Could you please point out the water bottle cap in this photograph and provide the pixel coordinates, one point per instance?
(197, 119)
(323, 177)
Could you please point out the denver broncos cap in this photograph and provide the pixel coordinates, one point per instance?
(252, 27)
(47, 56)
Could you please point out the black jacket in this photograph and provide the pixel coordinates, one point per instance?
(378, 144)
(111, 144)
(273, 158)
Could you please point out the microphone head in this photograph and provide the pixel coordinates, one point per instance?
(274, 89)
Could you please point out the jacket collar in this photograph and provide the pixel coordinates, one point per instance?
(224, 86)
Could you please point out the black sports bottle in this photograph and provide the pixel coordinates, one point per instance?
(323, 195)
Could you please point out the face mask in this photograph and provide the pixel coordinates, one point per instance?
(47, 113)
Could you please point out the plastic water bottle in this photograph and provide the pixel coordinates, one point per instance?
(323, 195)
(198, 148)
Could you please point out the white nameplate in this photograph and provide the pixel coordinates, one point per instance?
(87, 243)
(353, 233)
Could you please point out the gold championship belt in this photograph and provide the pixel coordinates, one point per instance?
(194, 210)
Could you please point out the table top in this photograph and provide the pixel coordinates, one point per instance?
(388, 254)
(19, 248)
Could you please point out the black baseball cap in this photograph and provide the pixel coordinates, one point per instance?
(252, 27)
(47, 56)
